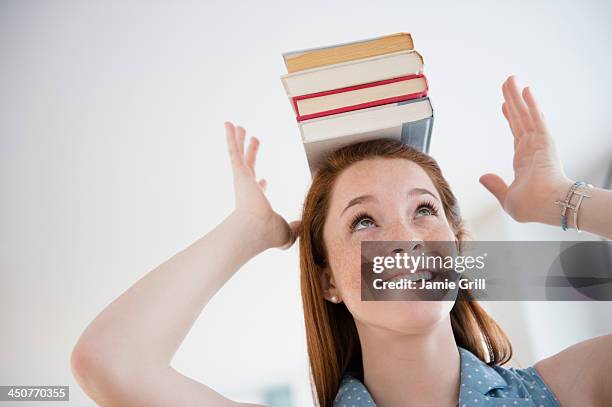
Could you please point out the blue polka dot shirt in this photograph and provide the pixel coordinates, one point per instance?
(481, 385)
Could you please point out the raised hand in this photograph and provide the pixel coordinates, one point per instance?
(251, 203)
(538, 173)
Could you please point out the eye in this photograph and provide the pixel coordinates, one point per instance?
(426, 208)
(361, 221)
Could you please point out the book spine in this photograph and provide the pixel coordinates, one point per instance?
(418, 134)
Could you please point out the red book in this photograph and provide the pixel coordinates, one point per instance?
(361, 96)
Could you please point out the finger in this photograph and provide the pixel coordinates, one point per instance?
(517, 105)
(230, 136)
(536, 114)
(514, 131)
(240, 135)
(263, 184)
(495, 185)
(511, 114)
(251, 154)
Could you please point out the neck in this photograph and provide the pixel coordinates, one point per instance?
(411, 369)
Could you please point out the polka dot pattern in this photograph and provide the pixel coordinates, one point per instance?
(481, 385)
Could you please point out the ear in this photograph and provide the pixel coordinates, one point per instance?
(328, 285)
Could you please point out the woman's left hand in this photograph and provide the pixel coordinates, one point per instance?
(538, 174)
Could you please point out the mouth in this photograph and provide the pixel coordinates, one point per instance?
(420, 274)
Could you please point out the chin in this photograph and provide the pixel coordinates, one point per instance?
(408, 317)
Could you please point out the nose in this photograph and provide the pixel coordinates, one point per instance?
(400, 230)
(409, 246)
(404, 239)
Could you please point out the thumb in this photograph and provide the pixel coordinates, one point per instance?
(294, 232)
(296, 227)
(496, 186)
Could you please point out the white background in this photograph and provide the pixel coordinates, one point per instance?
(113, 158)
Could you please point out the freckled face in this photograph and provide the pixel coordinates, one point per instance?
(383, 199)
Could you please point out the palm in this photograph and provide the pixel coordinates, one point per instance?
(537, 168)
(250, 199)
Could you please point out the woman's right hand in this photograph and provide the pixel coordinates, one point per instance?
(252, 206)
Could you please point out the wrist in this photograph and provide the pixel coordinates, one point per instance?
(551, 214)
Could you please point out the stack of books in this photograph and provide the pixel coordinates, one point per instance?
(357, 91)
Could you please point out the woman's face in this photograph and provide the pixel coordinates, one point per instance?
(382, 199)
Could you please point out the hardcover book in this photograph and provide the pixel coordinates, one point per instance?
(334, 54)
(359, 96)
(352, 73)
(410, 121)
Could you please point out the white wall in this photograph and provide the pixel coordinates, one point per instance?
(112, 154)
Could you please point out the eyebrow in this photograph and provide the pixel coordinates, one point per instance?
(366, 198)
(358, 200)
(421, 191)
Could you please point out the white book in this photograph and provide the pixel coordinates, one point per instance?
(352, 73)
(410, 122)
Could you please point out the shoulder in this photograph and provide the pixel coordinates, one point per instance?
(511, 386)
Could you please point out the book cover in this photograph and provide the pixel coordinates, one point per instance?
(359, 96)
(409, 121)
(352, 73)
(311, 58)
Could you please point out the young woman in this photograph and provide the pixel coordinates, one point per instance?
(405, 353)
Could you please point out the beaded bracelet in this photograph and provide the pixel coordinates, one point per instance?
(567, 203)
